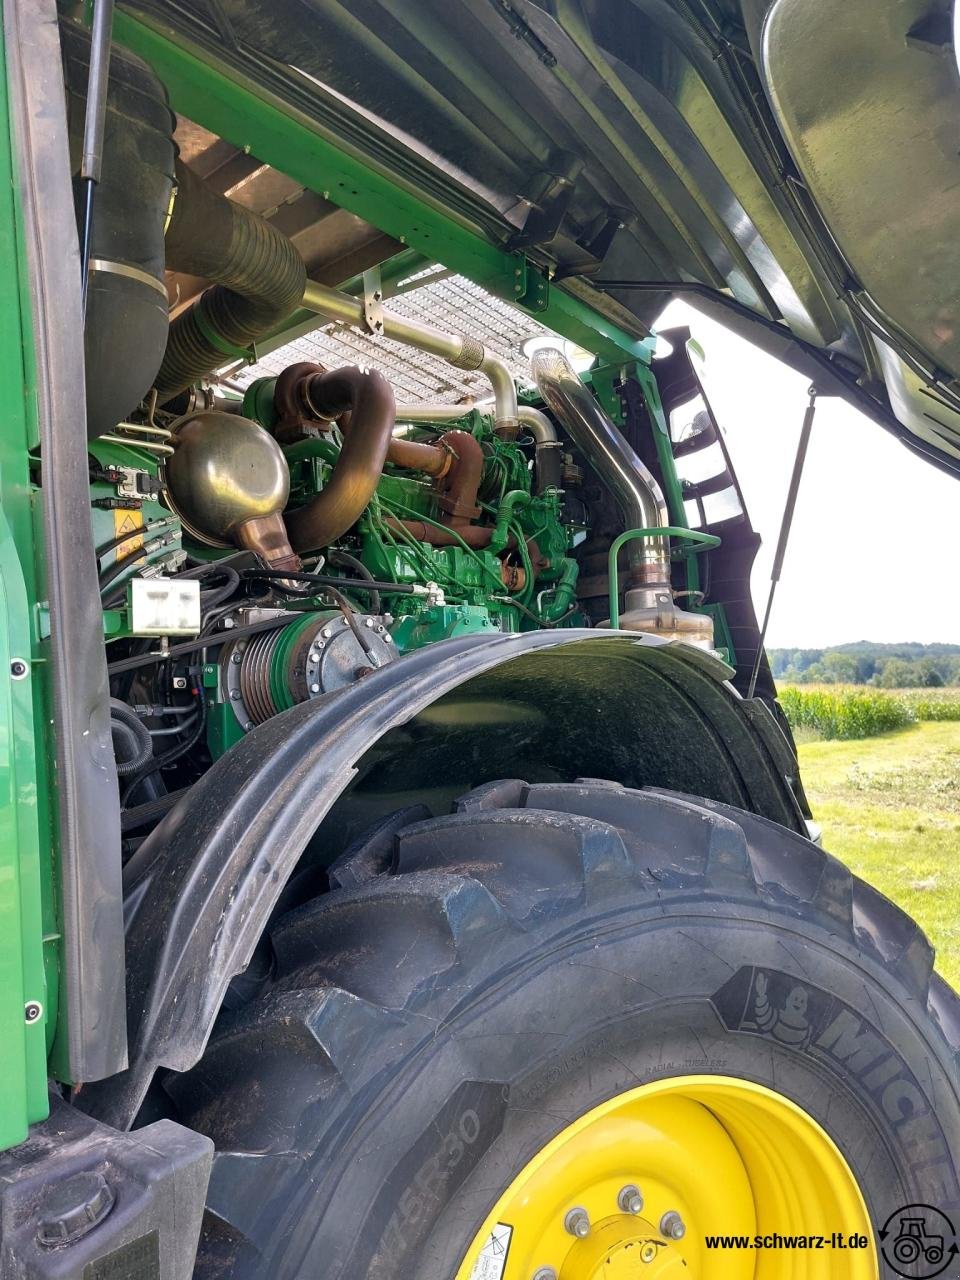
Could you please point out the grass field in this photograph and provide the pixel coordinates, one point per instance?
(890, 809)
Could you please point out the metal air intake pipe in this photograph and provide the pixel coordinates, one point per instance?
(534, 420)
(461, 351)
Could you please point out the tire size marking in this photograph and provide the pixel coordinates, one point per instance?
(492, 1260)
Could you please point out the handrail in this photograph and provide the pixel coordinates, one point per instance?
(707, 540)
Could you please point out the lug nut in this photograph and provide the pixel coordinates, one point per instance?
(577, 1223)
(630, 1200)
(671, 1226)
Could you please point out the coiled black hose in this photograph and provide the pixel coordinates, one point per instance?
(259, 273)
(131, 738)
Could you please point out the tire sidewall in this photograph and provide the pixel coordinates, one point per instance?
(616, 999)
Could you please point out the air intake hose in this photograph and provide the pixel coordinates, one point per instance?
(259, 273)
(126, 321)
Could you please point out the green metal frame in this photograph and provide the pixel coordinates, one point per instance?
(215, 96)
(27, 907)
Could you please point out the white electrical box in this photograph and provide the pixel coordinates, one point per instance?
(164, 606)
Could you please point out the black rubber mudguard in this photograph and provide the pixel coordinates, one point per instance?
(200, 890)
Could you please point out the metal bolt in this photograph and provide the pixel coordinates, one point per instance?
(235, 657)
(18, 669)
(325, 633)
(248, 725)
(179, 682)
(32, 1010)
(671, 1225)
(630, 1200)
(648, 1252)
(314, 688)
(368, 622)
(577, 1223)
(544, 1273)
(235, 694)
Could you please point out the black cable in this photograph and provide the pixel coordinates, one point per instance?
(175, 753)
(133, 533)
(352, 562)
(329, 580)
(541, 622)
(211, 598)
(202, 642)
(110, 575)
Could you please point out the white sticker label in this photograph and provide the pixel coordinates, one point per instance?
(492, 1260)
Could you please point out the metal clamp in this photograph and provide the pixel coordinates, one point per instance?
(373, 301)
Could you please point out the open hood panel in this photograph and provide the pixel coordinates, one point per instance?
(790, 164)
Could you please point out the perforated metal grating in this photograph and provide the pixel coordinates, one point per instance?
(451, 303)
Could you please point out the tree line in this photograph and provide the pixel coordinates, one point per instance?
(886, 666)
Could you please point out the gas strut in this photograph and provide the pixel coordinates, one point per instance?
(785, 524)
(93, 125)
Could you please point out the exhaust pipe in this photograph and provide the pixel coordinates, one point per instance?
(633, 486)
(649, 604)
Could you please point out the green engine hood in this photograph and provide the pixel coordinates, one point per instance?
(791, 166)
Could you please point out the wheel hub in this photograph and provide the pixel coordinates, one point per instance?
(623, 1247)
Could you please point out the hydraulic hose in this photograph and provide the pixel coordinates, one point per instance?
(131, 736)
(260, 279)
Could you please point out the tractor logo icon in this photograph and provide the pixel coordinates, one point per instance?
(919, 1242)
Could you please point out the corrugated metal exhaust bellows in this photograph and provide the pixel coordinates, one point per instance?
(260, 280)
(126, 321)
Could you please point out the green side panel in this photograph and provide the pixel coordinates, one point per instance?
(27, 905)
(218, 98)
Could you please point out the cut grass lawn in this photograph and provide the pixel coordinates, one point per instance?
(890, 809)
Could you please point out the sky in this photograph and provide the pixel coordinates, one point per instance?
(859, 566)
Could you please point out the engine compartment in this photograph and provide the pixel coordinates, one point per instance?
(270, 542)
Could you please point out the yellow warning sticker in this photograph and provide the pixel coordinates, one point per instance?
(128, 522)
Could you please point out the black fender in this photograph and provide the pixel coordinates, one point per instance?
(563, 704)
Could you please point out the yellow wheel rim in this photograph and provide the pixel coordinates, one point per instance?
(725, 1157)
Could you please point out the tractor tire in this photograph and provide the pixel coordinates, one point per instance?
(477, 981)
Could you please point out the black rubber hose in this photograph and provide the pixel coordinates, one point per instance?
(351, 562)
(140, 532)
(156, 763)
(129, 731)
(260, 280)
(126, 311)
